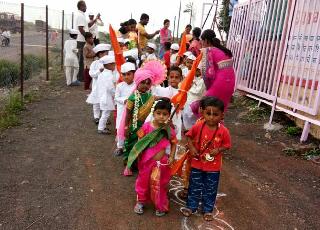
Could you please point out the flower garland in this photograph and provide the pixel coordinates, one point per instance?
(137, 99)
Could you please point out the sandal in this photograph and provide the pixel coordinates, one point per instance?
(186, 211)
(208, 216)
(160, 213)
(138, 208)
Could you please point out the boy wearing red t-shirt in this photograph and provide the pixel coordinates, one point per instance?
(207, 140)
(166, 56)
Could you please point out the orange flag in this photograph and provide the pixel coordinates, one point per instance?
(118, 54)
(181, 97)
(177, 166)
(183, 45)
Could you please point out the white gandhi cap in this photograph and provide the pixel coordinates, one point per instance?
(107, 59)
(73, 31)
(152, 45)
(192, 57)
(101, 47)
(187, 53)
(128, 66)
(174, 46)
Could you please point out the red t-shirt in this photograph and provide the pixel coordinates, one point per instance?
(166, 58)
(222, 139)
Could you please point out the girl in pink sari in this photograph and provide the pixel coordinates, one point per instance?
(217, 70)
(153, 163)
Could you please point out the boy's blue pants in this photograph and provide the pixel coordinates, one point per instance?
(203, 186)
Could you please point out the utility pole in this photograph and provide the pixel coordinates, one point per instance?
(178, 20)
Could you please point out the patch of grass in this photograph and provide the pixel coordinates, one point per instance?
(311, 154)
(8, 117)
(256, 113)
(290, 151)
(293, 131)
(55, 49)
(31, 96)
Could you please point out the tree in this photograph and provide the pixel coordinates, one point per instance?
(190, 9)
(224, 19)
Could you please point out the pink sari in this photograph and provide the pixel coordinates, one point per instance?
(218, 75)
(154, 176)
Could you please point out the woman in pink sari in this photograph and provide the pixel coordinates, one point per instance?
(165, 36)
(217, 70)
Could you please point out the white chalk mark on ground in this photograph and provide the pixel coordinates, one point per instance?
(196, 222)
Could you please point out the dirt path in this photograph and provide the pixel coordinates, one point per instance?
(57, 173)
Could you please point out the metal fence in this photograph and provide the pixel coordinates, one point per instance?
(37, 36)
(276, 50)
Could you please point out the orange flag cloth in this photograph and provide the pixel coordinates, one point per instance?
(176, 167)
(183, 45)
(118, 54)
(181, 97)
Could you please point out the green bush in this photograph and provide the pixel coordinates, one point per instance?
(293, 131)
(10, 71)
(8, 116)
(33, 65)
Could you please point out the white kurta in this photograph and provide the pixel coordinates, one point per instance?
(106, 90)
(169, 92)
(123, 91)
(94, 72)
(70, 53)
(173, 59)
(184, 70)
(197, 90)
(195, 93)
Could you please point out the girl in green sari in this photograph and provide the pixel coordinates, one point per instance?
(139, 105)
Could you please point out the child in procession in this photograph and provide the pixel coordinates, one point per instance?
(88, 58)
(123, 91)
(96, 68)
(166, 56)
(139, 105)
(195, 93)
(183, 66)
(156, 160)
(207, 140)
(174, 79)
(71, 62)
(174, 54)
(106, 91)
(150, 52)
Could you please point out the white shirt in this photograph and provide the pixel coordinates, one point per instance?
(94, 28)
(149, 57)
(184, 70)
(106, 90)
(173, 59)
(197, 90)
(94, 73)
(81, 21)
(70, 53)
(123, 91)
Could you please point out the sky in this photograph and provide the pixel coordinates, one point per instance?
(116, 12)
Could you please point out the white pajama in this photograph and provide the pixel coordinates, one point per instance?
(103, 119)
(96, 111)
(71, 74)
